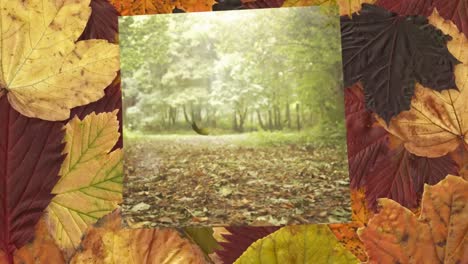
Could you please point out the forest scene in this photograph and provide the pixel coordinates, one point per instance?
(234, 118)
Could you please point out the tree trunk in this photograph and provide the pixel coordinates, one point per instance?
(298, 117)
(234, 121)
(186, 115)
(288, 115)
(270, 121)
(260, 121)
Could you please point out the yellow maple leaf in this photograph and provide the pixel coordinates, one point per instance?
(437, 122)
(298, 244)
(43, 71)
(90, 184)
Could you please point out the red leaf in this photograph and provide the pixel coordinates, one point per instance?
(401, 176)
(365, 141)
(262, 3)
(30, 159)
(102, 23)
(455, 10)
(407, 7)
(240, 239)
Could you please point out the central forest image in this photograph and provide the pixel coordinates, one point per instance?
(234, 118)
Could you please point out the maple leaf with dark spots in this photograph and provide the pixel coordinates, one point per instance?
(30, 159)
(401, 176)
(103, 22)
(365, 141)
(390, 53)
(240, 239)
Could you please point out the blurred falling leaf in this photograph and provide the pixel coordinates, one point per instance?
(30, 159)
(396, 235)
(90, 185)
(47, 73)
(437, 122)
(42, 250)
(107, 242)
(298, 244)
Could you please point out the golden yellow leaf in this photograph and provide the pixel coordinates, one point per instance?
(437, 122)
(108, 242)
(43, 71)
(90, 184)
(298, 244)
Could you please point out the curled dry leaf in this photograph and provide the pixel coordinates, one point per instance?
(107, 242)
(396, 235)
(44, 72)
(42, 250)
(90, 185)
(437, 122)
(298, 244)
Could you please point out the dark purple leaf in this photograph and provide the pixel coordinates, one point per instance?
(262, 3)
(407, 7)
(390, 53)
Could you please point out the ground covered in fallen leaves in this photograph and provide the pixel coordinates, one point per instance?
(225, 180)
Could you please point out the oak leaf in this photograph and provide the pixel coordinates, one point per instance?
(396, 235)
(30, 159)
(437, 122)
(90, 184)
(108, 242)
(389, 54)
(298, 244)
(44, 72)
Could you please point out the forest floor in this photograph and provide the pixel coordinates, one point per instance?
(180, 180)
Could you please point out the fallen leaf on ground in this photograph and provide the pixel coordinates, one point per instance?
(45, 72)
(437, 122)
(90, 184)
(298, 244)
(107, 242)
(396, 235)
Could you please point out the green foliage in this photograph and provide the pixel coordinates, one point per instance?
(246, 71)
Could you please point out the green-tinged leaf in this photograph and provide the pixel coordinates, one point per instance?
(203, 236)
(91, 178)
(298, 244)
